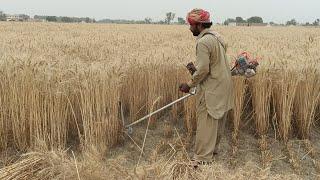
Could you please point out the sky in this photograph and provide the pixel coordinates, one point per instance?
(278, 11)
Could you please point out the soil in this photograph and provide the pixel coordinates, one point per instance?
(284, 161)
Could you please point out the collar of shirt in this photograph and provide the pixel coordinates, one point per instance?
(202, 33)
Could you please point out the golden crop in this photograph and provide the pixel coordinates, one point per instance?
(61, 84)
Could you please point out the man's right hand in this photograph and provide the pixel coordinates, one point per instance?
(190, 66)
(184, 88)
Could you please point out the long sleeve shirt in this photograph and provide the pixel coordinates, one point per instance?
(212, 76)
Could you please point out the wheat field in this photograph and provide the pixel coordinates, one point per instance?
(61, 86)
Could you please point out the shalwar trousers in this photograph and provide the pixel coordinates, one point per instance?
(208, 134)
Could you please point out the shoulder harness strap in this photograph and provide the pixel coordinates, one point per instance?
(216, 39)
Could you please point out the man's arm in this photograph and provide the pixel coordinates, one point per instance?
(203, 61)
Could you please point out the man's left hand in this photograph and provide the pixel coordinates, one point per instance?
(184, 88)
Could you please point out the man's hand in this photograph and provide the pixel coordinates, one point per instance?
(184, 88)
(190, 66)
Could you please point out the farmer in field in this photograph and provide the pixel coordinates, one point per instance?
(212, 77)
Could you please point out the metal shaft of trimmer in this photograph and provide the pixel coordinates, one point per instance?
(155, 112)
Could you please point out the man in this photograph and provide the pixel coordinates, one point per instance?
(212, 77)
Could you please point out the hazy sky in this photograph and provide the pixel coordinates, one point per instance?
(269, 10)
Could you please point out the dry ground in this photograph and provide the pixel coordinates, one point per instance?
(162, 151)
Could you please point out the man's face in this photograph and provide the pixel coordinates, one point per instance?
(194, 29)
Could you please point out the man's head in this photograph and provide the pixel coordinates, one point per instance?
(199, 20)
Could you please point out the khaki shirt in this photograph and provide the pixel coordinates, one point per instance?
(213, 76)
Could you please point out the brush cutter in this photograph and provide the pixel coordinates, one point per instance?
(243, 66)
(164, 107)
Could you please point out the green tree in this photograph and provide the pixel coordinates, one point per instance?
(181, 20)
(229, 20)
(272, 23)
(40, 17)
(316, 22)
(240, 20)
(291, 22)
(169, 17)
(51, 18)
(66, 19)
(147, 20)
(87, 20)
(255, 19)
(2, 16)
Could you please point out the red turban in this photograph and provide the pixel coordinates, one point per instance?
(198, 16)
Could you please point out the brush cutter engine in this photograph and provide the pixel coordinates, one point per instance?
(244, 65)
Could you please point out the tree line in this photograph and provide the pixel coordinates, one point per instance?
(65, 19)
(257, 19)
(168, 19)
(170, 16)
(254, 19)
